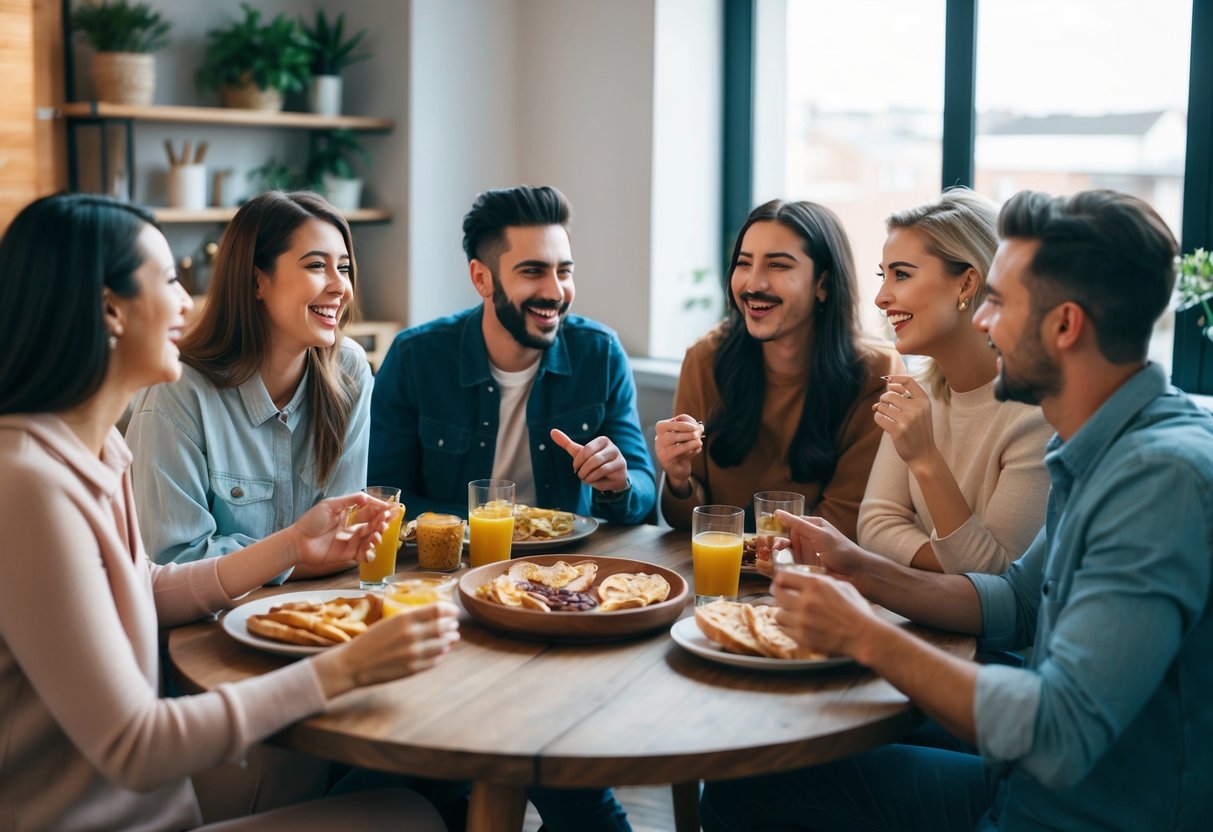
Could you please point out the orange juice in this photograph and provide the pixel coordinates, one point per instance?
(384, 564)
(416, 592)
(491, 531)
(717, 562)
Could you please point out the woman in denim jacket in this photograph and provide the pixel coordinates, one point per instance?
(270, 414)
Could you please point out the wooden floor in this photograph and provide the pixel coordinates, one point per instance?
(649, 808)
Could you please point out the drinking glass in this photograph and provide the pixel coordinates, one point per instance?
(490, 521)
(374, 575)
(439, 541)
(766, 503)
(716, 539)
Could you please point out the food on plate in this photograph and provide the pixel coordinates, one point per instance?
(541, 523)
(749, 550)
(749, 629)
(625, 590)
(318, 623)
(565, 587)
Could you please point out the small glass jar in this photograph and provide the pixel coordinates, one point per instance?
(439, 541)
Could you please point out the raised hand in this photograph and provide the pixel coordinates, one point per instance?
(323, 539)
(904, 412)
(817, 543)
(679, 440)
(598, 463)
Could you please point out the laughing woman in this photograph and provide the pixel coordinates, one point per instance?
(271, 412)
(92, 311)
(959, 482)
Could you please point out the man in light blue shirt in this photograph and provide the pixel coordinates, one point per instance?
(1109, 725)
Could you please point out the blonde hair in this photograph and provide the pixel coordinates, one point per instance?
(231, 338)
(960, 228)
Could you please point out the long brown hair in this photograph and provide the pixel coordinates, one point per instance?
(230, 339)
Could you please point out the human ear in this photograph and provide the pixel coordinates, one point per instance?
(482, 277)
(112, 313)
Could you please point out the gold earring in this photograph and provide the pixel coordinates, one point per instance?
(963, 305)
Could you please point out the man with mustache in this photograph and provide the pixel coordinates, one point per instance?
(516, 388)
(1107, 725)
(778, 397)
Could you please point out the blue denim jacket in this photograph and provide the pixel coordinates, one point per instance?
(434, 417)
(216, 469)
(1110, 725)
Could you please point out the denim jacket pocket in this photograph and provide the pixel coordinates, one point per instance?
(243, 503)
(582, 424)
(444, 448)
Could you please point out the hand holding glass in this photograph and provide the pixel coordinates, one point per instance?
(716, 538)
(374, 575)
(767, 525)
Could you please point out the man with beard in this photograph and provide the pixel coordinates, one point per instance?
(1107, 726)
(515, 388)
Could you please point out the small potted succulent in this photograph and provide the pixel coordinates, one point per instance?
(254, 64)
(330, 168)
(331, 52)
(123, 36)
(1194, 322)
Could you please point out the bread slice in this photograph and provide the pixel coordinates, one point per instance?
(722, 622)
(277, 631)
(773, 640)
(577, 577)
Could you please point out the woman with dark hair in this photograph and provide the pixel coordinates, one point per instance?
(93, 312)
(272, 410)
(780, 393)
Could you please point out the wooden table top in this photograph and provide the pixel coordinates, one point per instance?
(507, 711)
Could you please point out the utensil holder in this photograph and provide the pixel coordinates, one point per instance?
(187, 187)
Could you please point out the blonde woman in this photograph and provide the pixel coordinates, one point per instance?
(959, 483)
(271, 412)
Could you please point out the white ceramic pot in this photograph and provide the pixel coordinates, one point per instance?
(324, 95)
(187, 187)
(344, 194)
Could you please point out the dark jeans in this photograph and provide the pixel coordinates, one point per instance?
(928, 783)
(562, 810)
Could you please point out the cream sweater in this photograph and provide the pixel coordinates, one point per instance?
(995, 451)
(86, 742)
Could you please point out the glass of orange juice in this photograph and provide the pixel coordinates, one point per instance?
(490, 521)
(374, 575)
(416, 589)
(716, 537)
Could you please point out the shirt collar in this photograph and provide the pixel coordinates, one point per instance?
(474, 367)
(1090, 441)
(102, 473)
(260, 407)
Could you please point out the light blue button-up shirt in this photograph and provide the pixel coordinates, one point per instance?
(216, 469)
(1110, 726)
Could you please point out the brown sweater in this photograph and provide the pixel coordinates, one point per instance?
(766, 467)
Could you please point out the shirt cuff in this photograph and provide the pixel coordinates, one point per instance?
(998, 613)
(1005, 705)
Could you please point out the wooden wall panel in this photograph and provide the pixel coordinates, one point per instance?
(50, 134)
(18, 174)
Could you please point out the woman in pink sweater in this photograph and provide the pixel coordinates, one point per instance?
(92, 310)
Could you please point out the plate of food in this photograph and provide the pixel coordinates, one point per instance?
(572, 598)
(535, 529)
(303, 623)
(749, 557)
(746, 635)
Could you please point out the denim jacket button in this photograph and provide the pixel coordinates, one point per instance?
(585, 426)
(441, 442)
(490, 388)
(237, 492)
(542, 447)
(482, 444)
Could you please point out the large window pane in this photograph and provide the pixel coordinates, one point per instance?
(1095, 99)
(859, 125)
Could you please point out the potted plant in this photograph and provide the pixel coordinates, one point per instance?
(273, 176)
(1194, 322)
(253, 64)
(330, 168)
(123, 37)
(331, 52)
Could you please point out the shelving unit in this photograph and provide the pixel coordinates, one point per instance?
(222, 215)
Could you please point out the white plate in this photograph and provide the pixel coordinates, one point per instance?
(236, 621)
(583, 527)
(689, 637)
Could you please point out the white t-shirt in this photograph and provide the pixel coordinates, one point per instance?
(512, 460)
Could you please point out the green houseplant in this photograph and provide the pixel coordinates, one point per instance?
(330, 168)
(123, 36)
(253, 64)
(331, 51)
(1193, 368)
(273, 176)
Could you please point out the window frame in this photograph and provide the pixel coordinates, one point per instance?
(960, 131)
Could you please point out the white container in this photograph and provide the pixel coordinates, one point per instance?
(344, 194)
(324, 95)
(187, 187)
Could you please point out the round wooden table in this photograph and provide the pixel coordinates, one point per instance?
(507, 713)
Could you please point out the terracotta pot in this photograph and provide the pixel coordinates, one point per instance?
(248, 96)
(124, 77)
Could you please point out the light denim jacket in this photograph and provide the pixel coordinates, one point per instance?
(1110, 726)
(216, 469)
